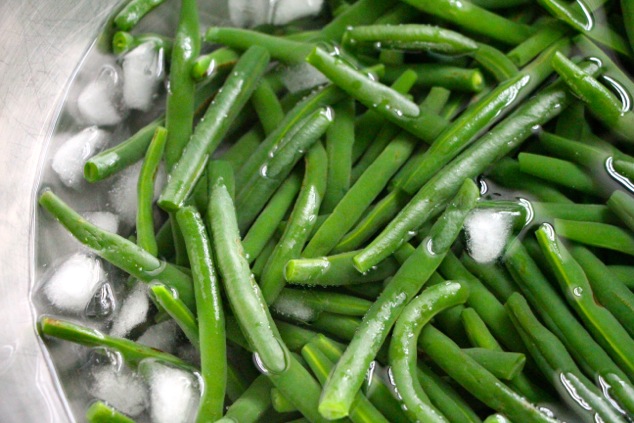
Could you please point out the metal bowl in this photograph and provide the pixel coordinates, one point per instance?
(42, 43)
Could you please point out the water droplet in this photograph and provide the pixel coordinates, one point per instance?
(549, 230)
(624, 96)
(577, 291)
(609, 167)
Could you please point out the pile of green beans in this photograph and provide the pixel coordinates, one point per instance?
(321, 231)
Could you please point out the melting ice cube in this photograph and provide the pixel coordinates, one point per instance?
(174, 393)
(142, 75)
(100, 102)
(69, 160)
(487, 232)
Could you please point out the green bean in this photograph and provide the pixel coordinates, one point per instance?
(100, 412)
(251, 405)
(496, 418)
(409, 37)
(145, 192)
(484, 302)
(496, 279)
(263, 258)
(557, 171)
(403, 356)
(440, 75)
(123, 42)
(499, 4)
(348, 374)
(477, 118)
(625, 168)
(581, 153)
(213, 126)
(362, 12)
(119, 251)
(337, 325)
(361, 409)
(280, 403)
(555, 361)
(573, 282)
(257, 191)
(599, 100)
(507, 173)
(558, 317)
(339, 142)
(300, 224)
(360, 196)
(208, 64)
(596, 235)
(267, 221)
(177, 310)
(132, 352)
(545, 36)
(627, 10)
(243, 293)
(213, 355)
(110, 161)
(335, 271)
(477, 380)
(579, 17)
(503, 365)
(384, 137)
(622, 205)
(610, 292)
(390, 104)
(133, 12)
(283, 49)
(480, 336)
(444, 397)
(330, 302)
(476, 20)
(495, 62)
(242, 149)
(612, 69)
(624, 273)
(179, 112)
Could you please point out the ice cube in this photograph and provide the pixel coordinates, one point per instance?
(100, 102)
(487, 232)
(105, 220)
(74, 282)
(302, 77)
(123, 194)
(133, 311)
(174, 393)
(121, 388)
(143, 73)
(103, 302)
(285, 11)
(162, 336)
(249, 13)
(69, 160)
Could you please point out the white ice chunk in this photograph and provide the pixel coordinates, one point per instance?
(105, 220)
(143, 72)
(74, 282)
(174, 394)
(302, 77)
(122, 389)
(294, 308)
(487, 232)
(100, 101)
(133, 311)
(286, 11)
(162, 336)
(69, 160)
(249, 13)
(123, 194)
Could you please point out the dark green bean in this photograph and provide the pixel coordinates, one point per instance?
(213, 355)
(362, 12)
(495, 62)
(213, 126)
(622, 204)
(596, 235)
(545, 36)
(475, 20)
(145, 192)
(301, 221)
(180, 107)
(348, 374)
(403, 355)
(251, 405)
(557, 171)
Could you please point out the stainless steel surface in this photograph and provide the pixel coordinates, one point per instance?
(42, 42)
